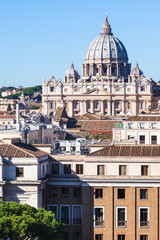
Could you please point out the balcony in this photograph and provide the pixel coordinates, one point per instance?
(122, 224)
(144, 224)
(98, 223)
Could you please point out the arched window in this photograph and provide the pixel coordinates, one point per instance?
(118, 104)
(76, 105)
(97, 105)
(129, 105)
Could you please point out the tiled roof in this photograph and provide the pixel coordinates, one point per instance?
(97, 125)
(130, 151)
(88, 116)
(60, 112)
(20, 150)
(145, 118)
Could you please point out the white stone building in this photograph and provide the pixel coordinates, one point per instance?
(22, 169)
(141, 129)
(107, 86)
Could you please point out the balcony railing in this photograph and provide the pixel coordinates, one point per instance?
(65, 220)
(77, 221)
(98, 223)
(144, 224)
(122, 224)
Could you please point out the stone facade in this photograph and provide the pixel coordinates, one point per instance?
(107, 85)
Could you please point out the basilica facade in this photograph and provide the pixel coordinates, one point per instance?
(108, 86)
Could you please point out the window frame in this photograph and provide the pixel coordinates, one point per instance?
(101, 193)
(142, 170)
(139, 217)
(120, 189)
(94, 216)
(18, 174)
(79, 172)
(64, 169)
(73, 214)
(143, 189)
(65, 205)
(120, 170)
(53, 205)
(120, 207)
(98, 171)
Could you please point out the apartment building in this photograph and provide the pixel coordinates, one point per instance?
(141, 129)
(110, 194)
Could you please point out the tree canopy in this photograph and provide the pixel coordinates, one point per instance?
(23, 222)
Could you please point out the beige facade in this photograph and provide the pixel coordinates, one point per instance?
(141, 129)
(107, 86)
(115, 195)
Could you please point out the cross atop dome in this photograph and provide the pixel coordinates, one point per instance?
(106, 28)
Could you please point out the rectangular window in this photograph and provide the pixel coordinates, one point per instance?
(121, 193)
(122, 170)
(65, 236)
(54, 209)
(64, 192)
(99, 216)
(77, 215)
(121, 237)
(142, 139)
(51, 89)
(77, 192)
(79, 168)
(144, 170)
(154, 140)
(142, 105)
(65, 211)
(53, 192)
(144, 218)
(76, 236)
(142, 88)
(43, 170)
(121, 217)
(98, 193)
(130, 125)
(100, 169)
(67, 168)
(154, 125)
(141, 125)
(99, 237)
(143, 193)
(143, 237)
(19, 172)
(55, 169)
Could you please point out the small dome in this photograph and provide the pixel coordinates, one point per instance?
(106, 46)
(136, 70)
(71, 71)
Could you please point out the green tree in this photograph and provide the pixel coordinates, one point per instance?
(23, 222)
(9, 107)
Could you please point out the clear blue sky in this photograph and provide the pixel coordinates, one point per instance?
(40, 38)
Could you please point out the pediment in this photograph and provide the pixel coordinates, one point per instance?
(97, 91)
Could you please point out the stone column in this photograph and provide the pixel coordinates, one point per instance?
(109, 107)
(102, 107)
(91, 106)
(134, 107)
(71, 108)
(84, 107)
(117, 69)
(123, 106)
(113, 111)
(100, 70)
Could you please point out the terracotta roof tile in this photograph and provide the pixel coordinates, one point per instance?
(130, 151)
(19, 150)
(154, 118)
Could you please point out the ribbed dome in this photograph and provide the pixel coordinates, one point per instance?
(106, 46)
(136, 70)
(72, 71)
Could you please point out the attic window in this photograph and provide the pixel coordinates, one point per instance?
(19, 172)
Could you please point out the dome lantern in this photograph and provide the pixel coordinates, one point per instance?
(106, 28)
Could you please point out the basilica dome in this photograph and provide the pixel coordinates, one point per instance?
(106, 47)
